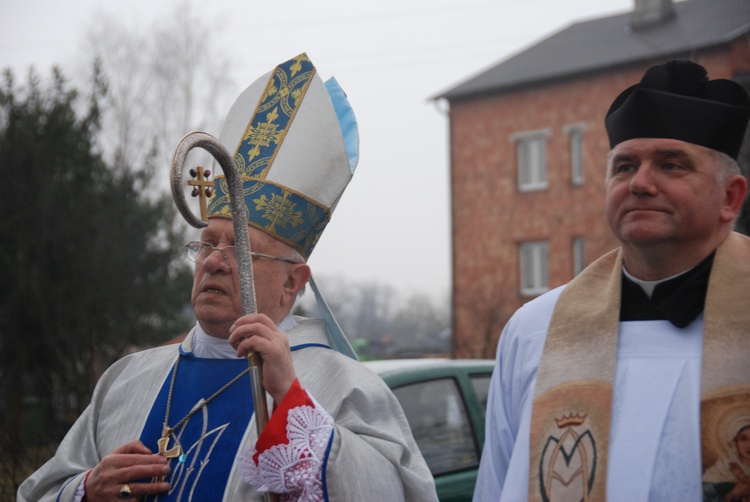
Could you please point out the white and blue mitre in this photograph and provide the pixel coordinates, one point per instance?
(296, 144)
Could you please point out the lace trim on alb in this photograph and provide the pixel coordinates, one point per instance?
(293, 470)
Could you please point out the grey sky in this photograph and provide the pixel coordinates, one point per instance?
(393, 223)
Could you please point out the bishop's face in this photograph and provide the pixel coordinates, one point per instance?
(216, 295)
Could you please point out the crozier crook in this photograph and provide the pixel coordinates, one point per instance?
(241, 240)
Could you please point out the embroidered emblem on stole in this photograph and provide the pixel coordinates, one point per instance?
(567, 453)
(570, 457)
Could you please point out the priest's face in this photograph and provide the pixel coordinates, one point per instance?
(216, 295)
(669, 192)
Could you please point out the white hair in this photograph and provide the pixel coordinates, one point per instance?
(726, 166)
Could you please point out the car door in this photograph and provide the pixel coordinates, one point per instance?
(447, 420)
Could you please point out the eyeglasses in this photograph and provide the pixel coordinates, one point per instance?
(198, 251)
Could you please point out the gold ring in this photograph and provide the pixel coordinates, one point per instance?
(125, 492)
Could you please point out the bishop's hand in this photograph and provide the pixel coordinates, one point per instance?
(115, 476)
(257, 332)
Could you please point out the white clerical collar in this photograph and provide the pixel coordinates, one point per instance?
(287, 323)
(205, 345)
(648, 286)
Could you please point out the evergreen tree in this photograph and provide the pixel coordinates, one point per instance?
(90, 264)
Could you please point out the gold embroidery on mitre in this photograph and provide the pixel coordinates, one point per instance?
(278, 211)
(265, 134)
(297, 65)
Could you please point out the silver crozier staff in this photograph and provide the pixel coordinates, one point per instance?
(241, 241)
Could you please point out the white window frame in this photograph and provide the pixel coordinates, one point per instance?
(533, 261)
(579, 258)
(531, 152)
(575, 139)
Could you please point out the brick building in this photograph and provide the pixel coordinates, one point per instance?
(528, 151)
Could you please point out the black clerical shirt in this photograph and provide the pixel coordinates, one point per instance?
(679, 300)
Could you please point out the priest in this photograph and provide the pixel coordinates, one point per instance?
(621, 384)
(177, 423)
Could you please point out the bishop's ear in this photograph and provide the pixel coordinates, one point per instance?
(299, 274)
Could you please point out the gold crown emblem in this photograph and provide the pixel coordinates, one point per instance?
(570, 420)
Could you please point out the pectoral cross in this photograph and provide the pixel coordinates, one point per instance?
(202, 188)
(163, 443)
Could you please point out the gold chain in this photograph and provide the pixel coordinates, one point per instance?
(168, 430)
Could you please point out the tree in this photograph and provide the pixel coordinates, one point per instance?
(165, 79)
(489, 313)
(377, 320)
(420, 327)
(90, 264)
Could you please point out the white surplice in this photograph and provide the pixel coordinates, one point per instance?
(655, 450)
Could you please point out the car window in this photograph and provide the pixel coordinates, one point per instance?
(480, 382)
(438, 419)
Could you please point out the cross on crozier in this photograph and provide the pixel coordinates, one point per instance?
(202, 188)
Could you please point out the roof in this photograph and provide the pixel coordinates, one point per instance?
(608, 42)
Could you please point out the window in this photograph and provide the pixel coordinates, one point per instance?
(532, 160)
(575, 135)
(578, 257)
(480, 382)
(534, 277)
(440, 423)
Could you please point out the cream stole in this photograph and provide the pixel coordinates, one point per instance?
(572, 406)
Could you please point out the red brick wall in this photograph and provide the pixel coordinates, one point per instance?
(490, 217)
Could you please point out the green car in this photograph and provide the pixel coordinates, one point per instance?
(444, 401)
